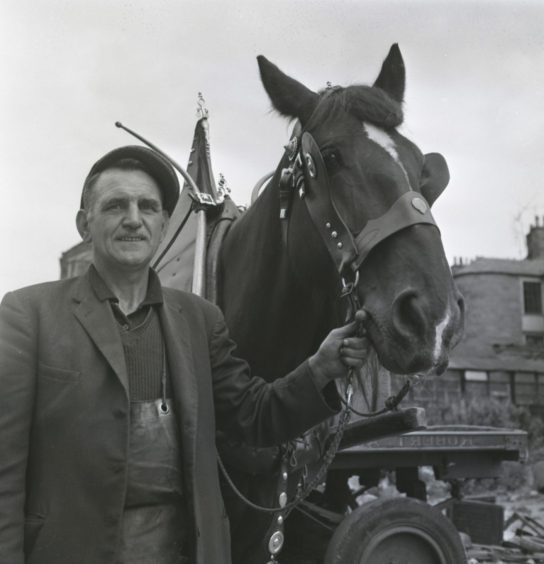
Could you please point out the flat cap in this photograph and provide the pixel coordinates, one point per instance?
(152, 162)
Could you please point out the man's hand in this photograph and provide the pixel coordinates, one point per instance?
(342, 349)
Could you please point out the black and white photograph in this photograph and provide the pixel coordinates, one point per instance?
(272, 282)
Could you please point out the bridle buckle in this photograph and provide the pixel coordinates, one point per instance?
(349, 286)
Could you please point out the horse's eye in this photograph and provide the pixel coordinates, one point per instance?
(332, 160)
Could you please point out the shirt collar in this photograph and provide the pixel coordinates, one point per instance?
(103, 293)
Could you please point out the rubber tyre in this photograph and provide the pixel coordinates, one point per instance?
(395, 531)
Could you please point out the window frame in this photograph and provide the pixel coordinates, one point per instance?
(535, 308)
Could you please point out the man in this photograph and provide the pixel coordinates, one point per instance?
(111, 389)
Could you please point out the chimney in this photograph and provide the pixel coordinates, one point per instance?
(535, 240)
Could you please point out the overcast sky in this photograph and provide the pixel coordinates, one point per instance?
(71, 68)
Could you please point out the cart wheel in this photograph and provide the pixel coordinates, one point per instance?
(395, 531)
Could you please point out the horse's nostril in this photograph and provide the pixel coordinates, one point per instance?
(409, 317)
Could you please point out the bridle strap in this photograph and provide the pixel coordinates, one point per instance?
(410, 209)
(349, 252)
(317, 195)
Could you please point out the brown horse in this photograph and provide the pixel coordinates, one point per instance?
(349, 204)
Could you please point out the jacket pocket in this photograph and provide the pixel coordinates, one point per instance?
(58, 374)
(33, 526)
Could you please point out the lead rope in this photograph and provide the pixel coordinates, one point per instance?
(284, 508)
(282, 511)
(392, 402)
(276, 536)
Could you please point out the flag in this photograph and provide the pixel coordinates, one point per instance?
(174, 259)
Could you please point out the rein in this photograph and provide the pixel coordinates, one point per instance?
(392, 402)
(306, 175)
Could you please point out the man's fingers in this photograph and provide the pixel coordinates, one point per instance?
(354, 343)
(352, 362)
(345, 330)
(361, 315)
(354, 353)
(349, 329)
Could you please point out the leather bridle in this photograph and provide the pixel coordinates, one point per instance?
(307, 176)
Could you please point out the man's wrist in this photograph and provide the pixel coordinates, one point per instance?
(319, 375)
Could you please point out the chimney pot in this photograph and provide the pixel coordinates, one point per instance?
(535, 239)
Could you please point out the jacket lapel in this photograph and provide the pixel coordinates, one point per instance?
(97, 319)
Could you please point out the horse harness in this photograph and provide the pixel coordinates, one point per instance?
(306, 174)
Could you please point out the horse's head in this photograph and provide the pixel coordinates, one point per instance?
(365, 198)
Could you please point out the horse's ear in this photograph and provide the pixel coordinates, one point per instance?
(392, 77)
(434, 177)
(288, 96)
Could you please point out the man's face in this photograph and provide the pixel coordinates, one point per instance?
(125, 220)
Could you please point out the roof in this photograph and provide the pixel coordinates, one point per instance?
(82, 248)
(515, 267)
(508, 358)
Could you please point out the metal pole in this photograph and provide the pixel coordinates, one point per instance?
(180, 169)
(199, 265)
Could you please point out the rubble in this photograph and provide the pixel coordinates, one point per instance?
(523, 539)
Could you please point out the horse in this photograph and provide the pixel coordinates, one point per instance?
(347, 210)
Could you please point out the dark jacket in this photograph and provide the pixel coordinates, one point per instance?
(64, 412)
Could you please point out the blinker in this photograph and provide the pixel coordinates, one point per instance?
(334, 232)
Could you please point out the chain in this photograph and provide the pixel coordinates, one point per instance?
(328, 457)
(390, 404)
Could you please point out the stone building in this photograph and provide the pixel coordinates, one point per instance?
(75, 260)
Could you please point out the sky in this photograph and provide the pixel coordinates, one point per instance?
(71, 68)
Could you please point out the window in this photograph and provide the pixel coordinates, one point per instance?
(475, 376)
(534, 340)
(540, 380)
(532, 297)
(499, 385)
(525, 388)
(476, 383)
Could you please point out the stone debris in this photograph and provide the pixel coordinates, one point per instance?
(525, 543)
